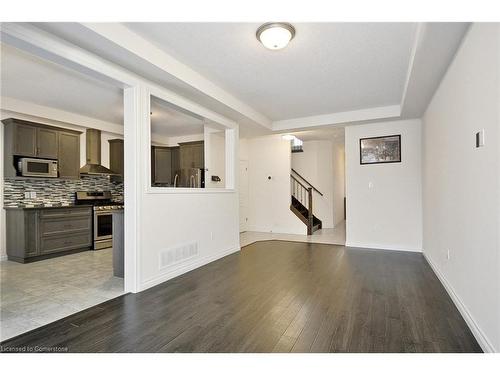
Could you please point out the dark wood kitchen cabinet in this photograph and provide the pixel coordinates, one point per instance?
(33, 140)
(69, 155)
(176, 163)
(47, 145)
(192, 155)
(116, 156)
(30, 139)
(161, 165)
(24, 138)
(39, 233)
(165, 164)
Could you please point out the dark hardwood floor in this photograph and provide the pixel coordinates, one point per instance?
(276, 296)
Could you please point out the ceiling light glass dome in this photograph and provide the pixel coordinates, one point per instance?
(275, 35)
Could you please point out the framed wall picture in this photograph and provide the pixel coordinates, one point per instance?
(379, 150)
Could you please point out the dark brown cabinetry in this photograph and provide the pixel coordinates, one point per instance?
(30, 139)
(24, 138)
(176, 162)
(34, 234)
(168, 162)
(165, 164)
(161, 164)
(192, 155)
(116, 156)
(47, 145)
(69, 155)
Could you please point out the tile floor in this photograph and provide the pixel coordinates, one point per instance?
(38, 293)
(335, 236)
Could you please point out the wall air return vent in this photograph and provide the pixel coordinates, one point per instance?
(179, 254)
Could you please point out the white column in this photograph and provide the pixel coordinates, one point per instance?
(136, 130)
(232, 158)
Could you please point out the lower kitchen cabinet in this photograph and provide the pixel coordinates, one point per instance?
(35, 234)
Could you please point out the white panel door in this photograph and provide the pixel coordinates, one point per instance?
(243, 195)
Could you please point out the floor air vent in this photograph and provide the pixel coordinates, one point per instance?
(179, 254)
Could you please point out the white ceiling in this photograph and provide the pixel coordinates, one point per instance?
(330, 133)
(326, 68)
(331, 73)
(31, 79)
(81, 36)
(168, 121)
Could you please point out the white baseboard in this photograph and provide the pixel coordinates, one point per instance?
(481, 338)
(183, 268)
(381, 247)
(3, 257)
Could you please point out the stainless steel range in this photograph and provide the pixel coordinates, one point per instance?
(103, 207)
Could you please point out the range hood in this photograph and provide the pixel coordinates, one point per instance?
(93, 155)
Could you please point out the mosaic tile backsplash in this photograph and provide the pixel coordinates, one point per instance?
(56, 191)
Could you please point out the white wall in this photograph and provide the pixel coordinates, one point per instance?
(338, 181)
(461, 187)
(315, 164)
(243, 149)
(269, 209)
(387, 215)
(215, 150)
(166, 219)
(170, 220)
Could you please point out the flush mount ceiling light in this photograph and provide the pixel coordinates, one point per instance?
(275, 35)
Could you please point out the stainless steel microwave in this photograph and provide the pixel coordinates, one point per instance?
(30, 167)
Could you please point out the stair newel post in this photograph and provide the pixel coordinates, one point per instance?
(310, 209)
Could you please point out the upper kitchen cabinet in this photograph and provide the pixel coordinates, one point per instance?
(30, 139)
(47, 145)
(69, 154)
(23, 138)
(116, 156)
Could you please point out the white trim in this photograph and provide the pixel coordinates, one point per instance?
(172, 190)
(416, 43)
(480, 336)
(49, 47)
(183, 268)
(304, 123)
(3, 258)
(136, 117)
(380, 247)
(144, 49)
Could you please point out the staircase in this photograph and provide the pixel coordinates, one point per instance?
(302, 192)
